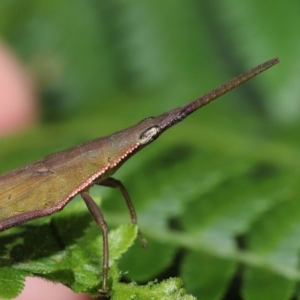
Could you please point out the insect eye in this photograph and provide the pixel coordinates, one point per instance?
(148, 135)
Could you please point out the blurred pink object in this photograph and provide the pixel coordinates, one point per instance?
(18, 99)
(37, 289)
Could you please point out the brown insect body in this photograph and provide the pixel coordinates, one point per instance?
(45, 186)
(57, 178)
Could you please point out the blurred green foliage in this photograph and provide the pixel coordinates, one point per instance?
(217, 196)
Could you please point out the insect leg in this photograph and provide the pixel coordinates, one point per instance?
(99, 219)
(114, 183)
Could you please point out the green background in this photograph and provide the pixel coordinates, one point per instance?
(218, 195)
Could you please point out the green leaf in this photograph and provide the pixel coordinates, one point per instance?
(166, 290)
(262, 284)
(280, 252)
(136, 262)
(207, 275)
(11, 283)
(77, 265)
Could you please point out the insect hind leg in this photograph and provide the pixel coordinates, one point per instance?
(99, 219)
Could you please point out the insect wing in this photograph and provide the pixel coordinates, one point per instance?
(45, 186)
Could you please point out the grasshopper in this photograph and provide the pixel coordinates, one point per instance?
(45, 186)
